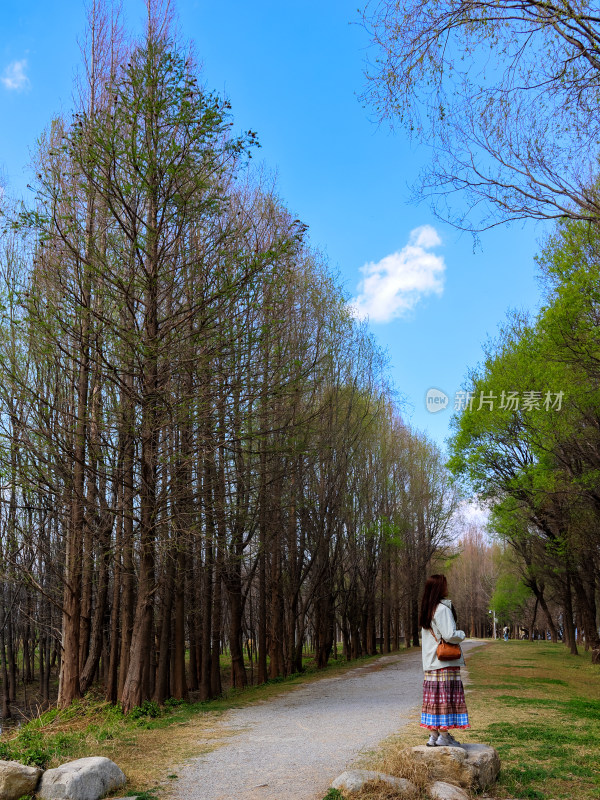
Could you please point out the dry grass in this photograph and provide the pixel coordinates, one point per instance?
(393, 757)
(378, 790)
(150, 756)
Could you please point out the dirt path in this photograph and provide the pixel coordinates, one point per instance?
(291, 747)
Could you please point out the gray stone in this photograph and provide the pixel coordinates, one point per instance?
(485, 762)
(353, 780)
(445, 764)
(17, 779)
(472, 766)
(84, 779)
(447, 791)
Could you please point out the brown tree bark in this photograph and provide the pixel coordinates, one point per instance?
(179, 681)
(165, 628)
(569, 628)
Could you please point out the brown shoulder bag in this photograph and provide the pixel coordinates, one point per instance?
(446, 651)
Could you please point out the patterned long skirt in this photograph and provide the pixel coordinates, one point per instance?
(444, 700)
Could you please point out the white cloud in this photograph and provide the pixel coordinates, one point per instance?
(393, 286)
(14, 78)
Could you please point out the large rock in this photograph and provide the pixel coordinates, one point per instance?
(353, 780)
(485, 762)
(84, 779)
(445, 764)
(472, 766)
(447, 791)
(17, 780)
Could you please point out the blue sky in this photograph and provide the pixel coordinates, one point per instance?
(294, 73)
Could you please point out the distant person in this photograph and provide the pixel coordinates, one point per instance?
(444, 705)
(505, 631)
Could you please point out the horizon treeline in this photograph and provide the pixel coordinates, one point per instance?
(199, 446)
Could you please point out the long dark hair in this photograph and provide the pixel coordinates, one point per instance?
(436, 587)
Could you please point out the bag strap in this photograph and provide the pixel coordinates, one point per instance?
(433, 634)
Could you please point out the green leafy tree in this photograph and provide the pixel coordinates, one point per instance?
(536, 462)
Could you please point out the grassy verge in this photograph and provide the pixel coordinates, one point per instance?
(538, 706)
(148, 743)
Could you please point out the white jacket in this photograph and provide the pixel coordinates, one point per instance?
(444, 627)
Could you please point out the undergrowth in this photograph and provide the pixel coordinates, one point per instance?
(59, 735)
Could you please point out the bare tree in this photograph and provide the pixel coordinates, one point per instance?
(506, 95)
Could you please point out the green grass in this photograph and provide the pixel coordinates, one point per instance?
(334, 794)
(545, 726)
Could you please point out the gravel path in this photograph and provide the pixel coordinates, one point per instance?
(292, 746)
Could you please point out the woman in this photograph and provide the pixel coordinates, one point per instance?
(444, 704)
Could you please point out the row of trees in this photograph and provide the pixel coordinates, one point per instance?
(472, 570)
(199, 449)
(528, 439)
(490, 589)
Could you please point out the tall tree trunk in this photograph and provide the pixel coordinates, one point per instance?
(127, 512)
(97, 629)
(136, 688)
(569, 628)
(208, 569)
(276, 632)
(6, 712)
(261, 671)
(112, 686)
(587, 610)
(161, 688)
(238, 671)
(86, 595)
(386, 601)
(180, 690)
